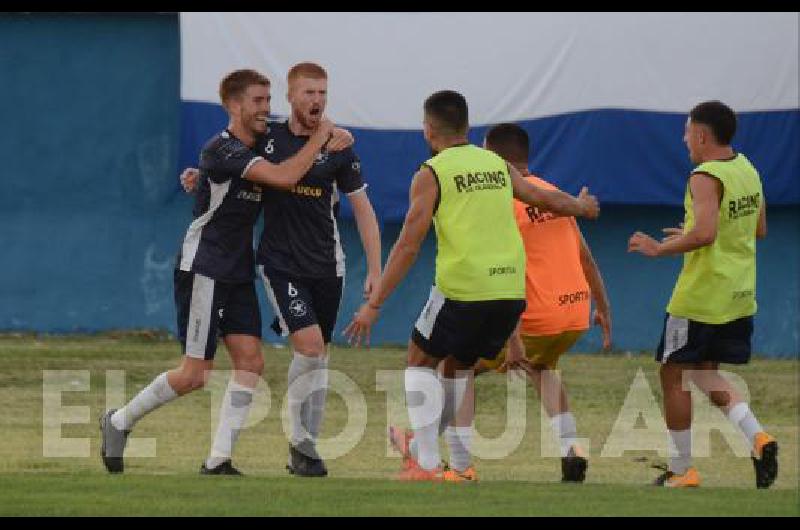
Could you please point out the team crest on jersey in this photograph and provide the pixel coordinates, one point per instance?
(297, 307)
(322, 157)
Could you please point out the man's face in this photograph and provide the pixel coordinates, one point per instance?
(253, 108)
(694, 138)
(308, 97)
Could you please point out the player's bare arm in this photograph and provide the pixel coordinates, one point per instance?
(367, 224)
(556, 201)
(423, 196)
(602, 307)
(761, 227)
(339, 140)
(706, 193)
(289, 172)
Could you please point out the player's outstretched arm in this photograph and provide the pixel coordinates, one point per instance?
(370, 234)
(602, 311)
(423, 196)
(556, 201)
(286, 174)
(706, 194)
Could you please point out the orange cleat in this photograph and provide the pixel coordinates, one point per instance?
(414, 473)
(690, 479)
(468, 475)
(765, 460)
(401, 441)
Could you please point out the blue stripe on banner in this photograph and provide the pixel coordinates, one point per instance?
(623, 156)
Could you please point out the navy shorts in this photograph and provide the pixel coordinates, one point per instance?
(302, 302)
(466, 330)
(208, 309)
(689, 341)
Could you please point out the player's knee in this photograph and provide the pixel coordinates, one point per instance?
(253, 364)
(720, 398)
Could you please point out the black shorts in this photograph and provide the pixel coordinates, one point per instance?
(208, 309)
(466, 330)
(302, 302)
(689, 341)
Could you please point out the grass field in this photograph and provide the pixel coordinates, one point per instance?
(521, 483)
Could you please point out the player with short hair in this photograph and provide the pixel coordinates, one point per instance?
(479, 291)
(214, 274)
(561, 279)
(709, 318)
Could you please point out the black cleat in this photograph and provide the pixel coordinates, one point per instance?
(225, 468)
(767, 466)
(113, 443)
(305, 461)
(573, 467)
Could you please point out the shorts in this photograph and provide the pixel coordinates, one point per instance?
(466, 330)
(540, 350)
(689, 341)
(302, 302)
(208, 309)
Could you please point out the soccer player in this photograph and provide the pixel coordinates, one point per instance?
(561, 279)
(300, 257)
(479, 291)
(214, 273)
(709, 318)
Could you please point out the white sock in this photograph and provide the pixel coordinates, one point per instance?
(424, 413)
(232, 415)
(454, 390)
(300, 386)
(743, 417)
(157, 393)
(565, 430)
(680, 451)
(459, 440)
(314, 407)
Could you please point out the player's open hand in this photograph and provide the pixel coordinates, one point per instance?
(189, 179)
(361, 324)
(341, 139)
(644, 244)
(589, 204)
(603, 319)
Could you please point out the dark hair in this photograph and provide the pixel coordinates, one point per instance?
(510, 141)
(719, 117)
(237, 82)
(449, 111)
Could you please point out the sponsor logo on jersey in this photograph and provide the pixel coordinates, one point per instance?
(573, 298)
(743, 206)
(480, 180)
(494, 271)
(308, 191)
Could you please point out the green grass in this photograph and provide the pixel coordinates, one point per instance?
(521, 483)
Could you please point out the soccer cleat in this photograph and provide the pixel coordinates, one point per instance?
(415, 473)
(304, 461)
(113, 443)
(573, 466)
(765, 460)
(401, 441)
(668, 479)
(225, 468)
(453, 475)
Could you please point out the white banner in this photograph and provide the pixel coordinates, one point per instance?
(510, 66)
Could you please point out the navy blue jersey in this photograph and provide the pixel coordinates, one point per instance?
(219, 242)
(300, 236)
